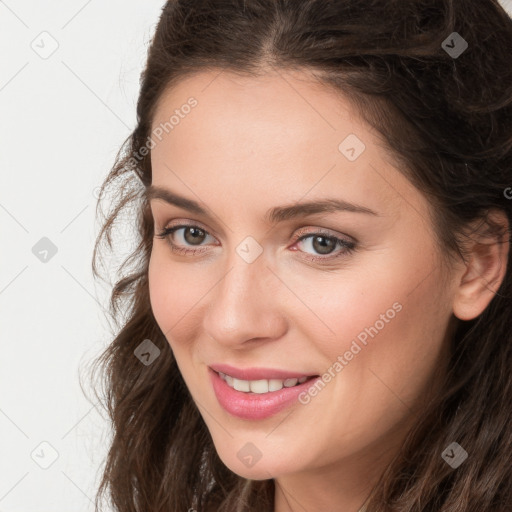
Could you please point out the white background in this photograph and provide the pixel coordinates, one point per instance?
(62, 120)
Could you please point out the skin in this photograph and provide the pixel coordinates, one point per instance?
(253, 144)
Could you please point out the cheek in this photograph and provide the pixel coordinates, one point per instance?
(387, 362)
(389, 328)
(346, 306)
(400, 359)
(177, 294)
(169, 291)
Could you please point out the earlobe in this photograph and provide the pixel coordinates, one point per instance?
(484, 270)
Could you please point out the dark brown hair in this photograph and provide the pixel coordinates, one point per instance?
(447, 120)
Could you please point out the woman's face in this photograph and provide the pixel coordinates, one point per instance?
(369, 314)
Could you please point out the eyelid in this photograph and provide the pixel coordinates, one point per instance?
(308, 230)
(165, 215)
(347, 246)
(188, 223)
(327, 232)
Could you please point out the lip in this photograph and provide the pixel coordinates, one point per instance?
(255, 406)
(258, 373)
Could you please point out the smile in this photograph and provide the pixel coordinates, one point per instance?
(257, 399)
(260, 386)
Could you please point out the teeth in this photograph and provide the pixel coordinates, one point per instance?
(275, 385)
(260, 386)
(241, 385)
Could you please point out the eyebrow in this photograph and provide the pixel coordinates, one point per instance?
(273, 215)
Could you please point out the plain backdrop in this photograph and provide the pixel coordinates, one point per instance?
(69, 80)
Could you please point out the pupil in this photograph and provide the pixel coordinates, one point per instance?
(328, 243)
(194, 237)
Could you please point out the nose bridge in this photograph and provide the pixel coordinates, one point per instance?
(242, 305)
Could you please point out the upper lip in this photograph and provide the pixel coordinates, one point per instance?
(257, 373)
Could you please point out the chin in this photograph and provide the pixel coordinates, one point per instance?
(262, 469)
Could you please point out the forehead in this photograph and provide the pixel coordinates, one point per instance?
(276, 137)
(258, 110)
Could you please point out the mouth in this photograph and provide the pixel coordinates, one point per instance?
(259, 373)
(261, 386)
(257, 399)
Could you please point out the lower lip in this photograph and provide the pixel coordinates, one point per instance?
(255, 406)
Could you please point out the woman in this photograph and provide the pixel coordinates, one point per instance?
(318, 312)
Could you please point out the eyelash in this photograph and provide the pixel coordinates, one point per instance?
(348, 246)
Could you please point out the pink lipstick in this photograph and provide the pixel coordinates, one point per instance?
(263, 404)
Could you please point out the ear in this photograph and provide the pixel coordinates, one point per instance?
(485, 268)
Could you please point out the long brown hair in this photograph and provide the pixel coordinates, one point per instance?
(447, 119)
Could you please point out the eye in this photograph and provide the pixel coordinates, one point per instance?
(320, 241)
(192, 235)
(325, 243)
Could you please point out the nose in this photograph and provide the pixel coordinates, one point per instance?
(246, 305)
